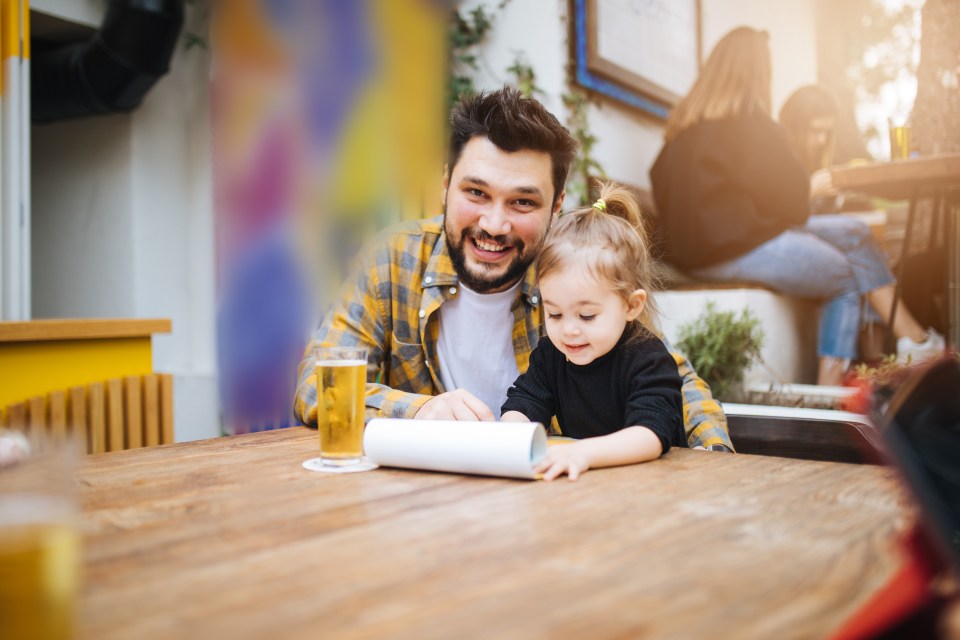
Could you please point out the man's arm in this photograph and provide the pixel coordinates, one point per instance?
(703, 419)
(358, 319)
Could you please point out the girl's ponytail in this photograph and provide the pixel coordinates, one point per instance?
(619, 202)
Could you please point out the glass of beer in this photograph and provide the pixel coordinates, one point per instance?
(341, 374)
(899, 138)
(39, 537)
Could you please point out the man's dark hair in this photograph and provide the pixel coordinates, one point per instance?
(512, 122)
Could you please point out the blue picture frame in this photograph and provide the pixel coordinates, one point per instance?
(620, 91)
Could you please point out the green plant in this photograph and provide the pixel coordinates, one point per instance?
(885, 373)
(197, 27)
(878, 384)
(466, 31)
(524, 77)
(584, 166)
(721, 345)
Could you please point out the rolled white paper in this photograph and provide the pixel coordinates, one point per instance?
(509, 449)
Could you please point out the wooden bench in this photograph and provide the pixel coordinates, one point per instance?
(117, 414)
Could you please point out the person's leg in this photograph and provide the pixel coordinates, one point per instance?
(840, 320)
(870, 268)
(904, 324)
(832, 371)
(798, 263)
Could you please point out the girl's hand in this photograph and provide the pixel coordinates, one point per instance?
(570, 459)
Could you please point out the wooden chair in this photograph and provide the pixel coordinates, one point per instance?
(121, 413)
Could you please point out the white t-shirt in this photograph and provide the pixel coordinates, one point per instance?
(475, 348)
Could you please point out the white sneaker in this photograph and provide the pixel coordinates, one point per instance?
(909, 351)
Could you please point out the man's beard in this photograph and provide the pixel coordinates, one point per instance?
(482, 283)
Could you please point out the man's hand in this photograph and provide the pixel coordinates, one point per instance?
(570, 459)
(459, 404)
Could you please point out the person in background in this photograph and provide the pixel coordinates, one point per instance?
(733, 199)
(600, 370)
(448, 307)
(809, 119)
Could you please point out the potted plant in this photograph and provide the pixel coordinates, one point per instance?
(721, 346)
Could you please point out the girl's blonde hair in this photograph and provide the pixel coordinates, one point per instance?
(609, 240)
(735, 81)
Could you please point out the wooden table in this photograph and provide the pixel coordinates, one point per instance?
(231, 538)
(935, 176)
(899, 179)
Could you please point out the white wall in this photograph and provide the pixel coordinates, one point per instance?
(81, 193)
(793, 37)
(173, 236)
(85, 12)
(123, 227)
(628, 141)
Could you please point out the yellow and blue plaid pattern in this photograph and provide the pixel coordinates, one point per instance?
(390, 307)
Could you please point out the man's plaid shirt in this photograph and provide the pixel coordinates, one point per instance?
(390, 307)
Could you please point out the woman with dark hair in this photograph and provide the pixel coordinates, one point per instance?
(809, 118)
(734, 201)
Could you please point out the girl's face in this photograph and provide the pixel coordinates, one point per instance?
(585, 317)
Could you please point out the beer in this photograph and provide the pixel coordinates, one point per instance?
(340, 394)
(38, 576)
(899, 140)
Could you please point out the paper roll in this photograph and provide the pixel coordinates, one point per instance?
(508, 449)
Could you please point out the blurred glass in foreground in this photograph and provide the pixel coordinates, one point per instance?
(39, 537)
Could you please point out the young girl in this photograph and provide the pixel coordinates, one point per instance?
(609, 381)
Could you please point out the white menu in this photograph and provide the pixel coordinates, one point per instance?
(508, 449)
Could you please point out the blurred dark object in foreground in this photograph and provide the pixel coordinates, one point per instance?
(921, 427)
(920, 424)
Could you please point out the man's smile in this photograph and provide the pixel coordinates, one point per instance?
(489, 250)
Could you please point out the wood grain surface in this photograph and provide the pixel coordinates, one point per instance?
(81, 329)
(231, 538)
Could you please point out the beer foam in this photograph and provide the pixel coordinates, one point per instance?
(340, 363)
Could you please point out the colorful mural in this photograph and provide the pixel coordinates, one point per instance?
(328, 123)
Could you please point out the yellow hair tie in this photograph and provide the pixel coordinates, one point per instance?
(600, 205)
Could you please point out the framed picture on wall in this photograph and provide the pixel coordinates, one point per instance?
(642, 53)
